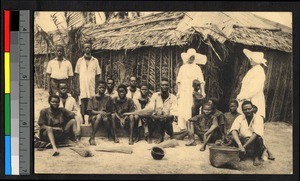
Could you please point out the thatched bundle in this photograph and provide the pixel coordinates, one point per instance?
(84, 152)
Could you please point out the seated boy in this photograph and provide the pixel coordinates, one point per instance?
(56, 123)
(144, 121)
(204, 125)
(100, 108)
(123, 104)
(69, 103)
(229, 118)
(219, 115)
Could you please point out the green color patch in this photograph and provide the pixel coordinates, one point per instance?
(7, 114)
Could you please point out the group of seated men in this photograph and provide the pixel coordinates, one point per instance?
(113, 108)
(135, 108)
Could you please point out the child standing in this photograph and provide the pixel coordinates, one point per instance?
(197, 97)
(229, 118)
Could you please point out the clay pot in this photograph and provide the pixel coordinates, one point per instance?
(157, 153)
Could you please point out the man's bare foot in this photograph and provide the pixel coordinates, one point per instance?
(159, 140)
(191, 143)
(130, 142)
(202, 148)
(92, 141)
(148, 139)
(55, 152)
(116, 140)
(137, 139)
(270, 156)
(256, 161)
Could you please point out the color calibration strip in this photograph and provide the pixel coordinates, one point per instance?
(7, 126)
(11, 101)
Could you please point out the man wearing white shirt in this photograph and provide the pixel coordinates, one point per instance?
(247, 131)
(58, 70)
(88, 72)
(164, 106)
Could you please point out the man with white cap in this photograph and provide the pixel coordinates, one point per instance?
(188, 72)
(253, 82)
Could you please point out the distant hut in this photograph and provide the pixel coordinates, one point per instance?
(43, 53)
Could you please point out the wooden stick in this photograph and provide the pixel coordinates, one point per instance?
(256, 28)
(120, 149)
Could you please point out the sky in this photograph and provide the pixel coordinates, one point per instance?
(285, 18)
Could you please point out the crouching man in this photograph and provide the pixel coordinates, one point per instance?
(247, 131)
(100, 108)
(57, 124)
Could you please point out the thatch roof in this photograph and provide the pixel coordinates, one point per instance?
(177, 28)
(154, 30)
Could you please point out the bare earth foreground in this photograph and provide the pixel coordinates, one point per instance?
(178, 160)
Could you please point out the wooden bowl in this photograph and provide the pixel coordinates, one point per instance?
(157, 153)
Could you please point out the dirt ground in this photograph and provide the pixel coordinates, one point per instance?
(178, 160)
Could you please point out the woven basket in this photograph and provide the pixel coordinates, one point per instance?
(224, 156)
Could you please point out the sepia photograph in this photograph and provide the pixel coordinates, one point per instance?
(163, 92)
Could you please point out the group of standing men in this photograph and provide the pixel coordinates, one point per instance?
(135, 107)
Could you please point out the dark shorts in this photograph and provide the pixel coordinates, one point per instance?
(104, 118)
(118, 122)
(59, 136)
(198, 131)
(256, 148)
(83, 106)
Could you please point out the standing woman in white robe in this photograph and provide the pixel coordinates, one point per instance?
(188, 72)
(253, 83)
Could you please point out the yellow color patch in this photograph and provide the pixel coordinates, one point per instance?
(7, 72)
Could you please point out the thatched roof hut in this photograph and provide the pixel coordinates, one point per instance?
(163, 29)
(149, 47)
